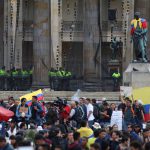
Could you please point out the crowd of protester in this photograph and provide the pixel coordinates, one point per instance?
(74, 125)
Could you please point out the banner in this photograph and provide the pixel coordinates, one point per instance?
(37, 93)
(126, 91)
(116, 119)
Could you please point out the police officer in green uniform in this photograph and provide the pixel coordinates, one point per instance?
(8, 80)
(68, 76)
(116, 77)
(24, 79)
(14, 75)
(60, 78)
(52, 78)
(30, 77)
(2, 78)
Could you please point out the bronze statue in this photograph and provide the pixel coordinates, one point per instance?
(138, 36)
(114, 47)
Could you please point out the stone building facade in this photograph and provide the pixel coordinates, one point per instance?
(73, 34)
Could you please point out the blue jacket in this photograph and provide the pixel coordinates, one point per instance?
(135, 137)
(7, 147)
(36, 114)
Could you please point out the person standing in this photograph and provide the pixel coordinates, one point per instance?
(128, 113)
(90, 109)
(36, 111)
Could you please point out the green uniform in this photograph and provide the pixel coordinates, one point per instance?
(15, 73)
(116, 75)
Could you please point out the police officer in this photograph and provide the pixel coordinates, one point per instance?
(14, 74)
(68, 76)
(30, 77)
(61, 74)
(116, 77)
(24, 79)
(2, 78)
(52, 77)
(8, 80)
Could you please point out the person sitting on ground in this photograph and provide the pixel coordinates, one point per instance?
(136, 146)
(133, 135)
(84, 143)
(85, 131)
(4, 145)
(76, 144)
(101, 137)
(95, 146)
(93, 139)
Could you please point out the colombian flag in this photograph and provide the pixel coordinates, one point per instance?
(37, 93)
(143, 94)
(142, 24)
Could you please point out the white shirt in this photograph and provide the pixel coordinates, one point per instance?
(72, 112)
(90, 108)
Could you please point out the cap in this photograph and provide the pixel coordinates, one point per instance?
(96, 125)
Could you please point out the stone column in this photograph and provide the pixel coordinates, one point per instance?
(144, 8)
(128, 15)
(41, 43)
(1, 32)
(91, 38)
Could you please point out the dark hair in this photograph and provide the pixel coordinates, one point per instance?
(127, 99)
(147, 146)
(35, 97)
(102, 130)
(124, 139)
(95, 146)
(116, 132)
(94, 101)
(11, 98)
(23, 99)
(88, 99)
(145, 130)
(12, 137)
(76, 136)
(39, 137)
(83, 123)
(45, 146)
(22, 125)
(25, 143)
(136, 145)
(86, 138)
(96, 133)
(58, 147)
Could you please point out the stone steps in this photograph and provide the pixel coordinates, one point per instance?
(52, 95)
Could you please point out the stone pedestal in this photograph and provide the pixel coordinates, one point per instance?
(137, 75)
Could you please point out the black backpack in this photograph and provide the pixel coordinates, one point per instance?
(96, 112)
(79, 114)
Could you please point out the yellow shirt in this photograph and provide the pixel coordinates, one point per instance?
(85, 132)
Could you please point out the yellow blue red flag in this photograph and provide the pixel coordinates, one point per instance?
(28, 97)
(143, 94)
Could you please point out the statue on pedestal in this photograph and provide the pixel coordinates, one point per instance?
(138, 36)
(114, 46)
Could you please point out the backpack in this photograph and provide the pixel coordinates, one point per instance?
(79, 113)
(43, 113)
(96, 112)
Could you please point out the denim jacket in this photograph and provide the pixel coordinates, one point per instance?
(27, 115)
